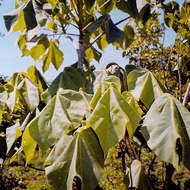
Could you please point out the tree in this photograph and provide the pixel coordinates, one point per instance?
(84, 113)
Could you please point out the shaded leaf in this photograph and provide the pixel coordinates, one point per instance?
(128, 6)
(167, 124)
(113, 33)
(97, 23)
(71, 78)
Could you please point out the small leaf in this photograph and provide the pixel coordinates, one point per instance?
(138, 179)
(54, 55)
(92, 53)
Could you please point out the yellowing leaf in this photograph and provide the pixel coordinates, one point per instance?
(54, 55)
(53, 3)
(28, 145)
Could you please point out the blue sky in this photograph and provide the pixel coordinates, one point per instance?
(11, 60)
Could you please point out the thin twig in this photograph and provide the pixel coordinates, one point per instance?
(63, 33)
(122, 20)
(74, 25)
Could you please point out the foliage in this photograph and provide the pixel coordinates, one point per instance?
(84, 113)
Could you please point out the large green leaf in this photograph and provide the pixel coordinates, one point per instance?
(71, 78)
(111, 117)
(168, 126)
(99, 77)
(144, 86)
(79, 156)
(12, 133)
(63, 113)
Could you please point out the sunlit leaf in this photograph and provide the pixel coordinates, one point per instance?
(111, 118)
(144, 86)
(167, 124)
(104, 82)
(54, 55)
(29, 93)
(36, 77)
(80, 156)
(63, 114)
(12, 133)
(29, 145)
(132, 102)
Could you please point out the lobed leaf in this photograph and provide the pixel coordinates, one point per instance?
(63, 114)
(78, 156)
(167, 124)
(111, 117)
